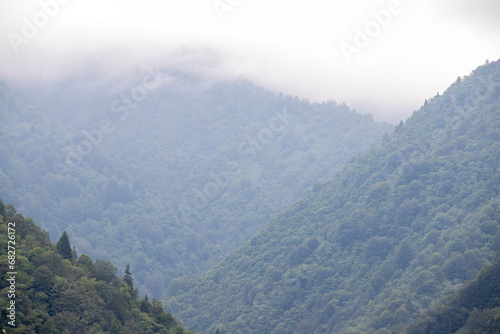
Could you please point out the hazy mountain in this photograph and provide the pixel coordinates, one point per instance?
(399, 227)
(163, 169)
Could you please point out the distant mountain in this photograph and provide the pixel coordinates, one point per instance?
(167, 170)
(398, 228)
(50, 289)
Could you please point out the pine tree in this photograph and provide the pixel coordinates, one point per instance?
(217, 331)
(64, 247)
(128, 277)
(145, 305)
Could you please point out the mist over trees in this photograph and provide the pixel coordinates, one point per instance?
(174, 175)
(246, 211)
(399, 227)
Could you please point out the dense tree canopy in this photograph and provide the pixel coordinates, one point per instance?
(182, 179)
(474, 308)
(175, 184)
(398, 228)
(54, 295)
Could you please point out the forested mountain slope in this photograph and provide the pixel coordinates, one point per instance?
(50, 289)
(475, 308)
(399, 227)
(169, 174)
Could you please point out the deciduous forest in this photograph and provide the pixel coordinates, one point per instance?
(241, 210)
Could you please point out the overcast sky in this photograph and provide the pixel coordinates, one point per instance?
(379, 57)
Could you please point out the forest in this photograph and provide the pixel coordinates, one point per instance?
(241, 210)
(399, 227)
(174, 184)
(58, 291)
(474, 308)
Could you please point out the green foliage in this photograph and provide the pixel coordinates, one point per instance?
(387, 236)
(135, 197)
(127, 278)
(55, 296)
(64, 247)
(3, 210)
(398, 228)
(474, 308)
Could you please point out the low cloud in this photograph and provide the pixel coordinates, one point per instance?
(292, 47)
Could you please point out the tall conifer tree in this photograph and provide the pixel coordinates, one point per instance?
(64, 247)
(128, 277)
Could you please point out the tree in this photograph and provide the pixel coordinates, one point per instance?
(116, 191)
(104, 271)
(128, 277)
(43, 279)
(404, 254)
(217, 331)
(145, 306)
(64, 247)
(11, 210)
(116, 327)
(3, 210)
(158, 313)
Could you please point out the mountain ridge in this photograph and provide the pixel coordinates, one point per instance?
(131, 169)
(397, 227)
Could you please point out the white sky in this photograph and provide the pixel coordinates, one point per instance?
(289, 46)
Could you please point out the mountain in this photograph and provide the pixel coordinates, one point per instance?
(474, 308)
(47, 288)
(399, 227)
(167, 170)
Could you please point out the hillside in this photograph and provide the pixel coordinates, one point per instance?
(49, 289)
(399, 227)
(176, 178)
(475, 308)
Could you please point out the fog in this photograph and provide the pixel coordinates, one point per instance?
(379, 57)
